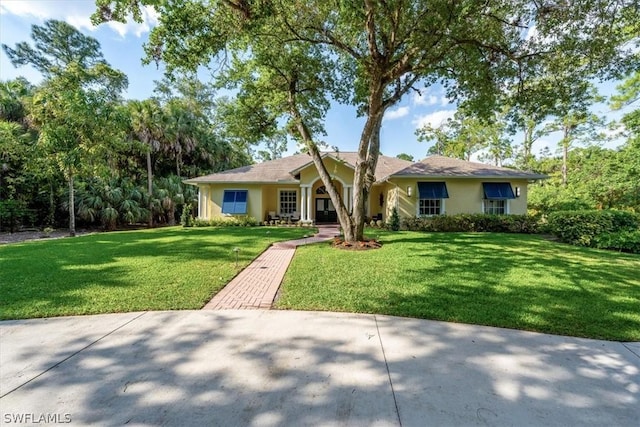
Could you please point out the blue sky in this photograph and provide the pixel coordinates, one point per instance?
(122, 48)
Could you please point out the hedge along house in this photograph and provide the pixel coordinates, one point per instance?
(290, 188)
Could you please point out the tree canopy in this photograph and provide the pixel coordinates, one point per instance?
(56, 45)
(296, 57)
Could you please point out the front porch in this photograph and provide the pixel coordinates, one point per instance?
(304, 202)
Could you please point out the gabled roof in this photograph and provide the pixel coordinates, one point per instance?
(446, 167)
(285, 169)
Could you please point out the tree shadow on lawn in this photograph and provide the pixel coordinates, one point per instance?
(47, 274)
(505, 280)
(167, 369)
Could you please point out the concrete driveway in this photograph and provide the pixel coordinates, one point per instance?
(273, 368)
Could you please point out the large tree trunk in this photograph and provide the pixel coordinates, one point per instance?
(72, 206)
(171, 214)
(150, 186)
(343, 214)
(368, 151)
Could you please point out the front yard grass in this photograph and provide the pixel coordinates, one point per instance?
(159, 269)
(506, 280)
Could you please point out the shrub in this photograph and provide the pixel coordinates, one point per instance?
(186, 219)
(623, 241)
(394, 221)
(473, 223)
(583, 227)
(248, 221)
(242, 221)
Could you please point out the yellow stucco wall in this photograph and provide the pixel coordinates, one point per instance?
(271, 197)
(212, 195)
(338, 171)
(465, 196)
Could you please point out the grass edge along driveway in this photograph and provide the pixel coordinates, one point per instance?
(159, 269)
(505, 280)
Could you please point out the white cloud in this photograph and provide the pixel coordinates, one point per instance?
(397, 113)
(149, 20)
(434, 119)
(37, 9)
(423, 98)
(76, 13)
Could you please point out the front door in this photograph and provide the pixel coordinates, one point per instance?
(325, 211)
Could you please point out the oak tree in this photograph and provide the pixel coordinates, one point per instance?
(300, 56)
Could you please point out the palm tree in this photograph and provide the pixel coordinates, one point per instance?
(112, 202)
(146, 125)
(182, 131)
(169, 192)
(13, 93)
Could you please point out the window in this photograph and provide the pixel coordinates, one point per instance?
(495, 207)
(496, 197)
(288, 202)
(431, 197)
(234, 202)
(430, 207)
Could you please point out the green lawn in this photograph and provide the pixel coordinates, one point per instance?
(158, 269)
(513, 281)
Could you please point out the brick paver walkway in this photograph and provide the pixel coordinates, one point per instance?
(256, 286)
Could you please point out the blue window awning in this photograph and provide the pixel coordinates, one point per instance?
(234, 202)
(498, 191)
(433, 190)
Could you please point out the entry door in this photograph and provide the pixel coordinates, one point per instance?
(325, 211)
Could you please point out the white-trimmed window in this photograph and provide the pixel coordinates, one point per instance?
(431, 196)
(496, 197)
(430, 207)
(288, 202)
(495, 207)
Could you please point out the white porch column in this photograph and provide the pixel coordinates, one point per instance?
(303, 198)
(308, 204)
(199, 202)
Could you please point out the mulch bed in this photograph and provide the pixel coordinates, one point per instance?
(364, 245)
(22, 236)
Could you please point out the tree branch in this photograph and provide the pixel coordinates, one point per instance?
(239, 6)
(371, 31)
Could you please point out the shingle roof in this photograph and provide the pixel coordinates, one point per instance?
(269, 171)
(445, 167)
(280, 170)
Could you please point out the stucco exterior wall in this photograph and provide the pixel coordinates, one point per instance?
(271, 198)
(338, 171)
(465, 196)
(212, 194)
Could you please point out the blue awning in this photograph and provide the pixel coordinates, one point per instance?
(433, 190)
(498, 191)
